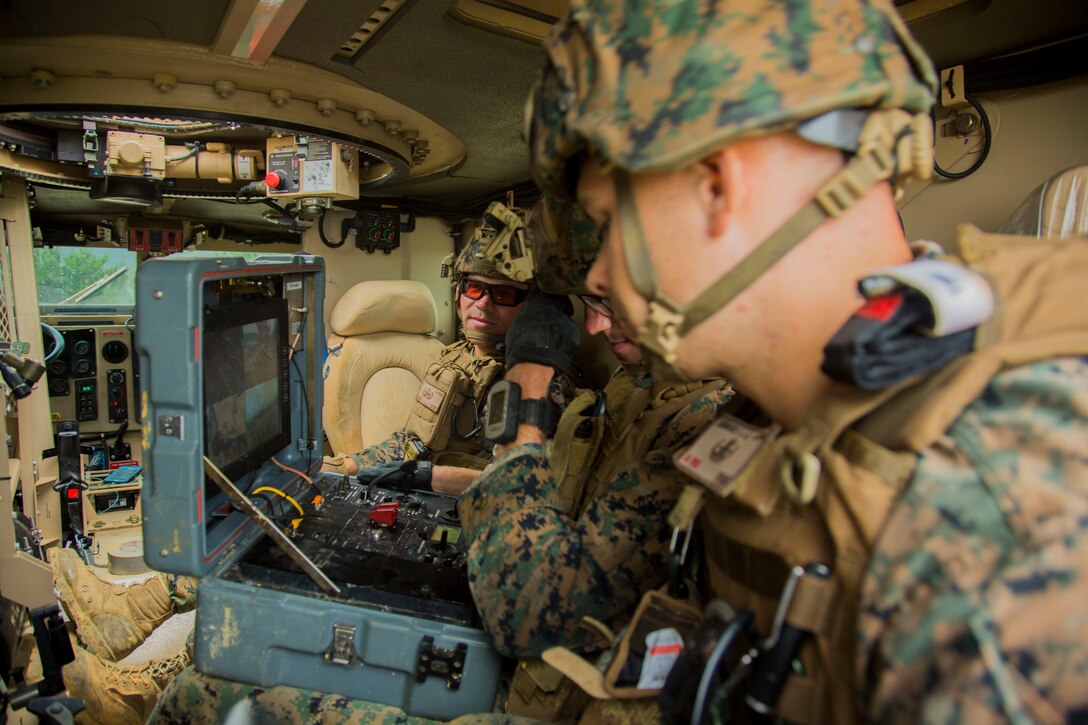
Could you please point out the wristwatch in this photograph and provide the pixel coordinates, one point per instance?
(506, 411)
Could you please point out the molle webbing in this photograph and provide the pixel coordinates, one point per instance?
(446, 413)
(633, 421)
(756, 536)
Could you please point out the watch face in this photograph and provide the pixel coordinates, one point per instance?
(501, 419)
(496, 406)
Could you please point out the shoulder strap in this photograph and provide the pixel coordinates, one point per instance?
(1039, 289)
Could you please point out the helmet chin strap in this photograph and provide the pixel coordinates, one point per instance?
(479, 336)
(668, 321)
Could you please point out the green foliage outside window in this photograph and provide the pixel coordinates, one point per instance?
(85, 276)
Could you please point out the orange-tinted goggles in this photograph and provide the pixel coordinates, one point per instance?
(503, 295)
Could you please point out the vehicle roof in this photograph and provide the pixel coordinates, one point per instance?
(466, 65)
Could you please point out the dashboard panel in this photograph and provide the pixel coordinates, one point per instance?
(94, 380)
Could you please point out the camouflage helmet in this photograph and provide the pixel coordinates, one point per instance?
(553, 244)
(499, 220)
(565, 243)
(654, 85)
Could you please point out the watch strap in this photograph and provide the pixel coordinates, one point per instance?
(541, 413)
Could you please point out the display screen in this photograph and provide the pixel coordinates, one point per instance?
(246, 403)
(496, 407)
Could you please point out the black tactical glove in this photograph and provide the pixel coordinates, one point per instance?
(543, 332)
(399, 475)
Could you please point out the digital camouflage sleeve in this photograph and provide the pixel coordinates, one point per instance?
(391, 449)
(973, 608)
(193, 697)
(535, 573)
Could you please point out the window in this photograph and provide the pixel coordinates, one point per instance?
(85, 276)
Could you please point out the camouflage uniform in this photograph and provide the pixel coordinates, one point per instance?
(193, 697)
(535, 572)
(393, 448)
(182, 590)
(973, 574)
(973, 601)
(473, 451)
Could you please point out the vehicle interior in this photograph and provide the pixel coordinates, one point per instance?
(130, 131)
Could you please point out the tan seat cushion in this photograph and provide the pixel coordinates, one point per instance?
(378, 352)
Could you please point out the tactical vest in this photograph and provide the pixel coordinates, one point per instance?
(446, 416)
(590, 446)
(824, 492)
(589, 449)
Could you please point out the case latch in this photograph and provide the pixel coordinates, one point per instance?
(342, 651)
(448, 664)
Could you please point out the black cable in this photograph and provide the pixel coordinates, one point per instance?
(321, 232)
(194, 149)
(986, 130)
(308, 423)
(274, 205)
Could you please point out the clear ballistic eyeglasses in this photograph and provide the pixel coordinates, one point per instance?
(503, 295)
(597, 304)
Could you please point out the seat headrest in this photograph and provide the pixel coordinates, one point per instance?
(1056, 208)
(384, 306)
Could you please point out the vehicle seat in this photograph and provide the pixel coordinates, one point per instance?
(379, 348)
(1056, 208)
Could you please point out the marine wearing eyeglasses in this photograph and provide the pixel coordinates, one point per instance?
(440, 446)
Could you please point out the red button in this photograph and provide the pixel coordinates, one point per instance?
(273, 180)
(73, 493)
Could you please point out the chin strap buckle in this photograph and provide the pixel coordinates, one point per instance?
(660, 333)
(874, 162)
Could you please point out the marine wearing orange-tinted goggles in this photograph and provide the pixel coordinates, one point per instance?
(503, 295)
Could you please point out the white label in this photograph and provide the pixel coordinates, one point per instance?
(316, 176)
(960, 298)
(292, 286)
(663, 648)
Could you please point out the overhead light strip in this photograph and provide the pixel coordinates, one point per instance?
(252, 29)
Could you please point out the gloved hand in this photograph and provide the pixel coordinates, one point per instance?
(338, 464)
(543, 332)
(399, 475)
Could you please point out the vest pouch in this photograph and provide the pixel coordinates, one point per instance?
(650, 646)
(542, 692)
(711, 653)
(441, 396)
(576, 442)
